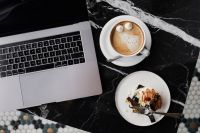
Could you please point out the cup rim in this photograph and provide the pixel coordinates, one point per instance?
(134, 20)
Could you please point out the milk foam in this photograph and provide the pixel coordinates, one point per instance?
(132, 41)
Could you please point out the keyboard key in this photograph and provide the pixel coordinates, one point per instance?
(46, 43)
(9, 73)
(21, 65)
(38, 50)
(2, 57)
(46, 55)
(52, 42)
(15, 55)
(61, 46)
(69, 39)
(38, 62)
(82, 60)
(50, 48)
(9, 56)
(33, 63)
(64, 51)
(68, 56)
(52, 54)
(28, 46)
(21, 71)
(3, 74)
(27, 64)
(40, 44)
(55, 47)
(3, 68)
(40, 56)
(20, 54)
(73, 44)
(5, 50)
(44, 61)
(44, 49)
(29, 58)
(58, 53)
(34, 57)
(26, 52)
(14, 72)
(76, 61)
(75, 38)
(11, 49)
(34, 45)
(70, 50)
(32, 51)
(17, 48)
(56, 59)
(70, 62)
(63, 40)
(39, 68)
(76, 50)
(9, 67)
(23, 59)
(17, 60)
(64, 63)
(23, 47)
(50, 60)
(58, 64)
(79, 44)
(62, 58)
(77, 55)
(57, 41)
(4, 62)
(15, 66)
(67, 45)
(11, 61)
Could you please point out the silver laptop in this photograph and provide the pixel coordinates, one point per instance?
(46, 54)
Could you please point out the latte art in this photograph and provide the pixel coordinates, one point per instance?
(127, 38)
(131, 41)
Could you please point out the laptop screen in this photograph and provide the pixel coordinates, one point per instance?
(20, 16)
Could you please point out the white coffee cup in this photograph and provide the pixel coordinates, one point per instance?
(142, 51)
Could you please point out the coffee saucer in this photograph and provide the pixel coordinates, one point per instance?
(128, 86)
(124, 61)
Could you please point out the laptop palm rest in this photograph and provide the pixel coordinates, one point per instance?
(60, 84)
(41, 87)
(10, 96)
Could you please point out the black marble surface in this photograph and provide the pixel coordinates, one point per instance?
(171, 57)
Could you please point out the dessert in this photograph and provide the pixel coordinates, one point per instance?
(145, 97)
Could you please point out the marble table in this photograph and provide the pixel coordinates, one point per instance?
(175, 28)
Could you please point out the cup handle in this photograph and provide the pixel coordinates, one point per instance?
(145, 52)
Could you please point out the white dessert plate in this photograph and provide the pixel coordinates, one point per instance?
(128, 86)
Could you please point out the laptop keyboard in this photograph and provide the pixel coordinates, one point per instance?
(41, 54)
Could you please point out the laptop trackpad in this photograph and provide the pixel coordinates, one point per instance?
(40, 87)
(10, 96)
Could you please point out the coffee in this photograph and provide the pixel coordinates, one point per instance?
(127, 38)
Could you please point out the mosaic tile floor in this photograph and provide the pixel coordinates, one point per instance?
(19, 122)
(191, 122)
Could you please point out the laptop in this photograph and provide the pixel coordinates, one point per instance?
(47, 54)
